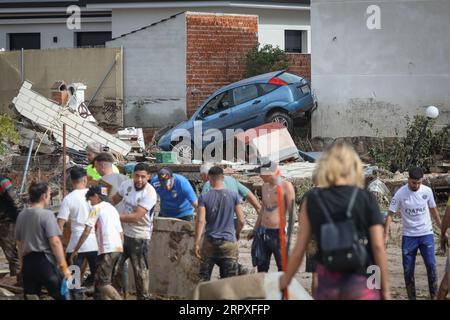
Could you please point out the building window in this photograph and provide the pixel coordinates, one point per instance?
(293, 41)
(18, 41)
(92, 39)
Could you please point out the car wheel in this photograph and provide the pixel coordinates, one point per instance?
(184, 151)
(282, 118)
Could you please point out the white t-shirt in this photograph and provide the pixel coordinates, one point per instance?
(145, 198)
(414, 208)
(75, 207)
(106, 220)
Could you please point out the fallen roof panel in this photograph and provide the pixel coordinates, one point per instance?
(79, 132)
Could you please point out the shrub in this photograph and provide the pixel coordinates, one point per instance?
(265, 59)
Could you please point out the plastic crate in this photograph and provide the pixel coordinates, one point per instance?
(166, 157)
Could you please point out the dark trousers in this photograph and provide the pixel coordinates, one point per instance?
(39, 272)
(270, 244)
(425, 244)
(137, 251)
(8, 244)
(221, 252)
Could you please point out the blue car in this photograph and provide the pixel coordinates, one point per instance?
(278, 96)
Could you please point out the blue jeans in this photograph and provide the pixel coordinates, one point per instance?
(270, 245)
(425, 244)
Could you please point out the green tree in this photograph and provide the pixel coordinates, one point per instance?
(8, 133)
(265, 59)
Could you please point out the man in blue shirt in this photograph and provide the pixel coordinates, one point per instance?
(215, 216)
(176, 195)
(232, 184)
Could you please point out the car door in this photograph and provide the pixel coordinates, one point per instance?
(216, 114)
(247, 106)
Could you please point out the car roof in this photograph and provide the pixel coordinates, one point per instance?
(262, 78)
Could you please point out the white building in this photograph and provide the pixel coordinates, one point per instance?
(43, 24)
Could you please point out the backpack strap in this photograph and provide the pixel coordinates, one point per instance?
(352, 202)
(324, 209)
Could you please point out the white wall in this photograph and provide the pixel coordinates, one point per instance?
(378, 76)
(154, 74)
(272, 23)
(49, 28)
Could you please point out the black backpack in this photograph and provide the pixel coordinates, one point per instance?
(341, 248)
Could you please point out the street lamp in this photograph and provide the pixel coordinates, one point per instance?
(432, 113)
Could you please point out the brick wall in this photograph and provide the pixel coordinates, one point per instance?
(216, 45)
(300, 64)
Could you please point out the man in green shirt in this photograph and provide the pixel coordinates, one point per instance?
(93, 150)
(232, 184)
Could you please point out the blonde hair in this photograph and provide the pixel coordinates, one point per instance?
(339, 161)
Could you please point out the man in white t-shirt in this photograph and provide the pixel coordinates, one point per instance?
(75, 209)
(139, 199)
(415, 202)
(106, 221)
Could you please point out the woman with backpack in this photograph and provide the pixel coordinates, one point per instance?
(347, 224)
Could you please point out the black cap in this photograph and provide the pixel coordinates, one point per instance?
(100, 190)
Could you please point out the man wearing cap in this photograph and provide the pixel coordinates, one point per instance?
(232, 184)
(139, 199)
(75, 208)
(268, 223)
(93, 150)
(106, 221)
(215, 214)
(415, 202)
(177, 197)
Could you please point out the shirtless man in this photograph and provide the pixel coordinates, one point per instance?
(267, 227)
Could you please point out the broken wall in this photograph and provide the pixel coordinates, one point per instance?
(44, 67)
(367, 79)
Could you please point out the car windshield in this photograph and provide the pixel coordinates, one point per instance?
(289, 77)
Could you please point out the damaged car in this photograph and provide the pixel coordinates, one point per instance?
(278, 96)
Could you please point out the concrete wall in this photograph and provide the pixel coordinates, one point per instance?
(44, 67)
(49, 28)
(174, 269)
(379, 75)
(272, 23)
(154, 73)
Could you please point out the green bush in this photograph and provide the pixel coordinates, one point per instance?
(397, 156)
(265, 59)
(8, 133)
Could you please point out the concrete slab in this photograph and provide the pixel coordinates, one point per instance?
(172, 263)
